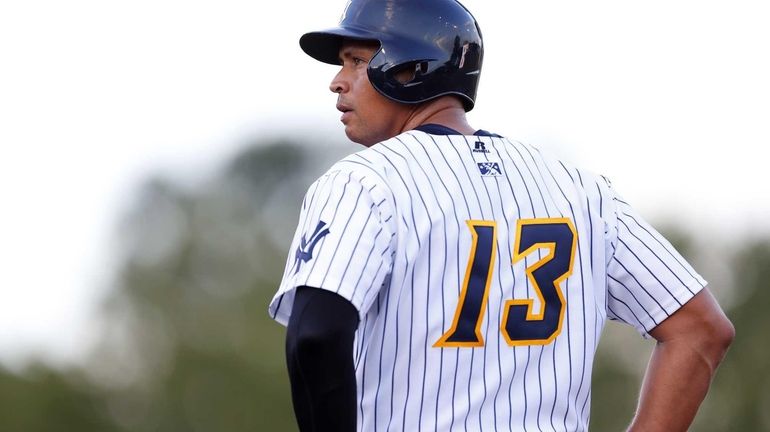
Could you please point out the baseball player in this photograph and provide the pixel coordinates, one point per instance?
(446, 278)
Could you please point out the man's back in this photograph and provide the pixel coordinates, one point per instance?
(483, 273)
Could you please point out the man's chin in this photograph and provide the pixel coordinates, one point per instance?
(358, 138)
(366, 139)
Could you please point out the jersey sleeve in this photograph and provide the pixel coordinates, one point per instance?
(342, 244)
(647, 279)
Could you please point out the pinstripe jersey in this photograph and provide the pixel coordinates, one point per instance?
(483, 272)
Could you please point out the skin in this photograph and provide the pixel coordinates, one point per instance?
(690, 345)
(369, 117)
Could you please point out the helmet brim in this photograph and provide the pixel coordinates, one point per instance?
(324, 45)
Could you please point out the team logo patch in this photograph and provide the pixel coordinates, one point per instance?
(305, 250)
(490, 169)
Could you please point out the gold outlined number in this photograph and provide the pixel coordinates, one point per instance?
(466, 326)
(520, 324)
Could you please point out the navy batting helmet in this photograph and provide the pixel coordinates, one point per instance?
(438, 39)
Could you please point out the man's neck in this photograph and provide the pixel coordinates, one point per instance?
(446, 111)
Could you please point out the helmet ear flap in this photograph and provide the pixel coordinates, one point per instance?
(407, 73)
(400, 79)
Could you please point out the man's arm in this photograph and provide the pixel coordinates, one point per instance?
(691, 344)
(319, 356)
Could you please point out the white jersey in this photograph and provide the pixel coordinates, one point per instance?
(483, 273)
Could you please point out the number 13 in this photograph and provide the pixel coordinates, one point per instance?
(520, 325)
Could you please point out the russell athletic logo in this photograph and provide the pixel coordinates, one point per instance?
(479, 147)
(305, 249)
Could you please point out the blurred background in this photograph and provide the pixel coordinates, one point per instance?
(155, 154)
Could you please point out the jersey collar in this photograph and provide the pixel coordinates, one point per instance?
(437, 129)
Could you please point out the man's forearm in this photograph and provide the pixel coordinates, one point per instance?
(691, 344)
(319, 355)
(674, 386)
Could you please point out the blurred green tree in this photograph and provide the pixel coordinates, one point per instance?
(740, 395)
(188, 343)
(44, 400)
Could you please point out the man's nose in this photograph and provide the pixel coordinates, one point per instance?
(339, 84)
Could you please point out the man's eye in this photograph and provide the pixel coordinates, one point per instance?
(357, 61)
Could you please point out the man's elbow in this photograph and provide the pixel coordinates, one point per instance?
(307, 343)
(717, 334)
(703, 325)
(722, 337)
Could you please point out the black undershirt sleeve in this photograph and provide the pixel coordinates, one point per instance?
(319, 356)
